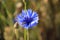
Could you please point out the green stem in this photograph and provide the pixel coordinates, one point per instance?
(27, 35)
(24, 4)
(25, 32)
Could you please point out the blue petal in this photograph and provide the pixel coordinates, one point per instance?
(23, 13)
(19, 23)
(25, 26)
(34, 14)
(36, 19)
(32, 24)
(20, 18)
(29, 12)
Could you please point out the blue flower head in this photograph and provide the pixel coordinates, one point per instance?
(27, 18)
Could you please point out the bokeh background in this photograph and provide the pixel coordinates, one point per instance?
(48, 27)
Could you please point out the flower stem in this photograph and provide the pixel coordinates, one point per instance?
(27, 35)
(25, 32)
(24, 4)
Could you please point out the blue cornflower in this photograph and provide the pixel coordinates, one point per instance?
(27, 18)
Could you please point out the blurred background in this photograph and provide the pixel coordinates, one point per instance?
(48, 27)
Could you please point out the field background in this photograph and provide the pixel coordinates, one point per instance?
(48, 27)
